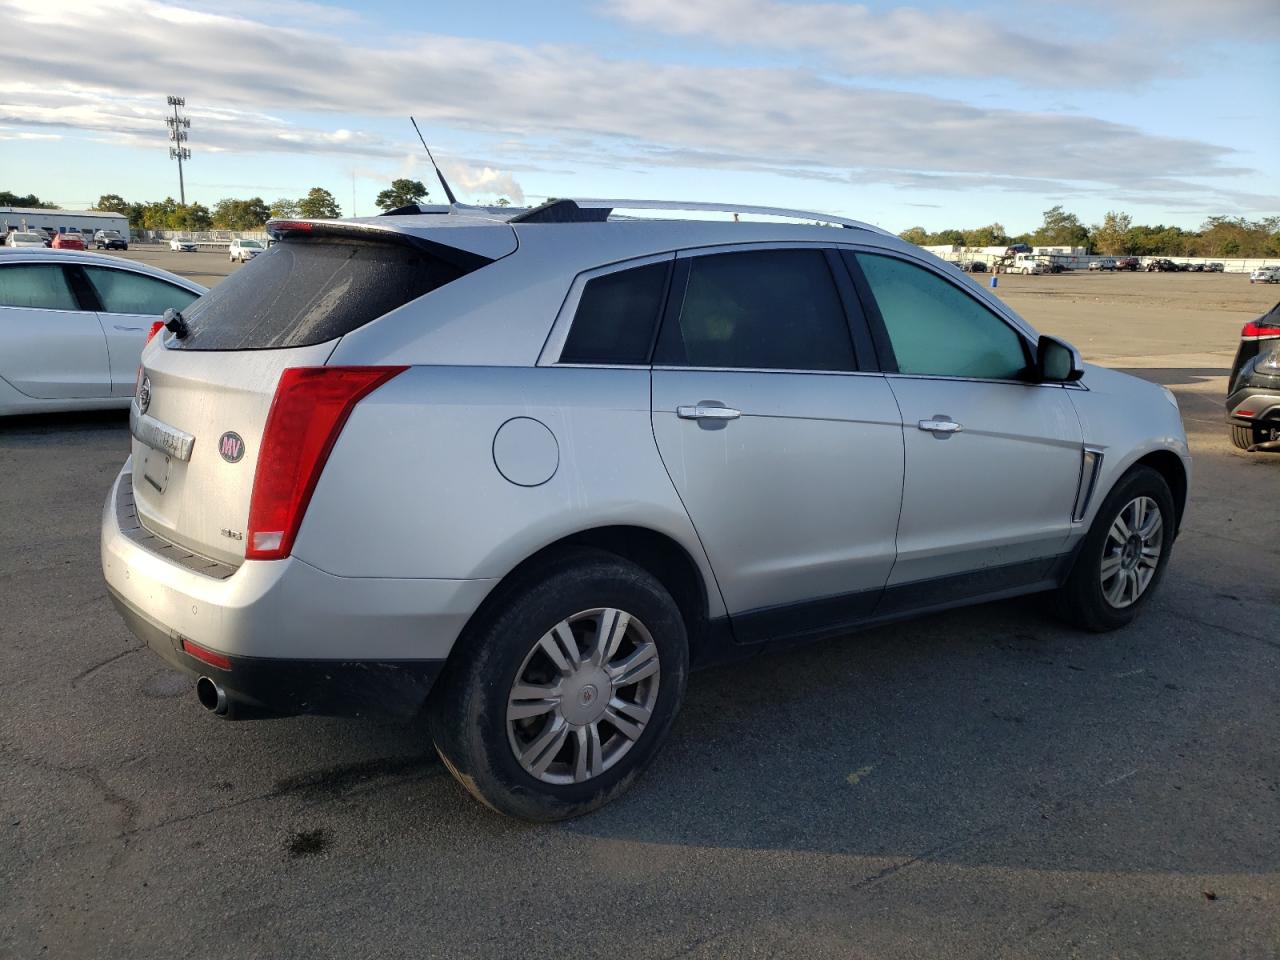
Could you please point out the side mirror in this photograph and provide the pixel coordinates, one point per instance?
(1057, 361)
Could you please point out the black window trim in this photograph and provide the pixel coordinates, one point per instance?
(864, 358)
(558, 335)
(880, 333)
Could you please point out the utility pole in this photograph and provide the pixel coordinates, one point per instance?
(178, 127)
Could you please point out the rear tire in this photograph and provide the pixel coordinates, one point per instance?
(1242, 437)
(1088, 597)
(552, 757)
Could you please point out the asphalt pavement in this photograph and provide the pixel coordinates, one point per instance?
(985, 783)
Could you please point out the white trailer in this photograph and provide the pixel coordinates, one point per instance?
(51, 222)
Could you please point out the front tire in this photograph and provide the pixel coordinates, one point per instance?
(1124, 554)
(561, 695)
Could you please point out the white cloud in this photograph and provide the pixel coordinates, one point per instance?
(545, 104)
(903, 41)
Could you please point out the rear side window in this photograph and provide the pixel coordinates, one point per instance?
(303, 292)
(616, 317)
(122, 291)
(36, 285)
(937, 329)
(764, 309)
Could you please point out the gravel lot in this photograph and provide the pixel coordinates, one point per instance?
(983, 784)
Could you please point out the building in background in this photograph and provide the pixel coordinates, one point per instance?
(50, 222)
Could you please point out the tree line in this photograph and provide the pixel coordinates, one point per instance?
(1117, 235)
(232, 213)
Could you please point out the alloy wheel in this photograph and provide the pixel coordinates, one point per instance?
(583, 696)
(1131, 552)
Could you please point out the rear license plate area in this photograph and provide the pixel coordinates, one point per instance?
(155, 469)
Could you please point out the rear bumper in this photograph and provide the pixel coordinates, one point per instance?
(1260, 403)
(306, 639)
(259, 687)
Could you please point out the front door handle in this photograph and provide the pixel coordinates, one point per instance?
(706, 411)
(940, 425)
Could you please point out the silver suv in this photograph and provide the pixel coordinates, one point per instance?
(524, 471)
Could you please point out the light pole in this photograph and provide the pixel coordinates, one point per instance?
(178, 127)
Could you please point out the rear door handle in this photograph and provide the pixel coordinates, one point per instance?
(706, 411)
(940, 424)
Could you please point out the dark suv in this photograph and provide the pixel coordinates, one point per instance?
(110, 240)
(1253, 397)
(1162, 266)
(1128, 263)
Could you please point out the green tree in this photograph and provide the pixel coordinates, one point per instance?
(993, 235)
(502, 202)
(232, 214)
(113, 202)
(135, 213)
(319, 204)
(8, 199)
(155, 215)
(1110, 236)
(1060, 229)
(284, 208)
(917, 235)
(401, 193)
(192, 216)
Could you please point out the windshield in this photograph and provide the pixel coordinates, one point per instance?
(251, 243)
(35, 237)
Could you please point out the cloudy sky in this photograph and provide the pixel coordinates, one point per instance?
(933, 114)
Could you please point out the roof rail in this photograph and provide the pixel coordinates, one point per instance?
(585, 210)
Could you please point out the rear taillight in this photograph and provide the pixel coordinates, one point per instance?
(1253, 330)
(155, 328)
(308, 412)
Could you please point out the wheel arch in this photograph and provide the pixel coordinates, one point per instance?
(657, 553)
(1170, 466)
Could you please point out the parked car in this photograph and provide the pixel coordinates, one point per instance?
(1128, 263)
(1265, 275)
(183, 244)
(1215, 267)
(110, 240)
(68, 241)
(72, 326)
(22, 238)
(1191, 267)
(360, 482)
(245, 250)
(1106, 263)
(1162, 266)
(1253, 392)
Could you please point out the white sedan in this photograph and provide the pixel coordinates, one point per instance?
(23, 239)
(73, 325)
(183, 245)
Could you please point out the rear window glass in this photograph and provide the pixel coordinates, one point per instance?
(300, 293)
(617, 316)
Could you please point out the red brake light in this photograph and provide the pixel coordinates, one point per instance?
(1253, 330)
(308, 412)
(155, 328)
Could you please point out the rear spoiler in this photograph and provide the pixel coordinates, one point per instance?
(295, 230)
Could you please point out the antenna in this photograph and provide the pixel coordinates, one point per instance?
(443, 182)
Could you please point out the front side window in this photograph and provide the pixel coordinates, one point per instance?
(762, 309)
(616, 316)
(122, 291)
(938, 330)
(38, 286)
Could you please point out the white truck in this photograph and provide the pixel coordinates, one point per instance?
(1024, 263)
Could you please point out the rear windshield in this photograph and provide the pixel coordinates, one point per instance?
(303, 292)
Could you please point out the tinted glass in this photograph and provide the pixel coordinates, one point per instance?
(302, 292)
(122, 291)
(43, 286)
(767, 309)
(616, 316)
(937, 329)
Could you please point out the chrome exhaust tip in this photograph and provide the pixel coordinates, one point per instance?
(211, 696)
